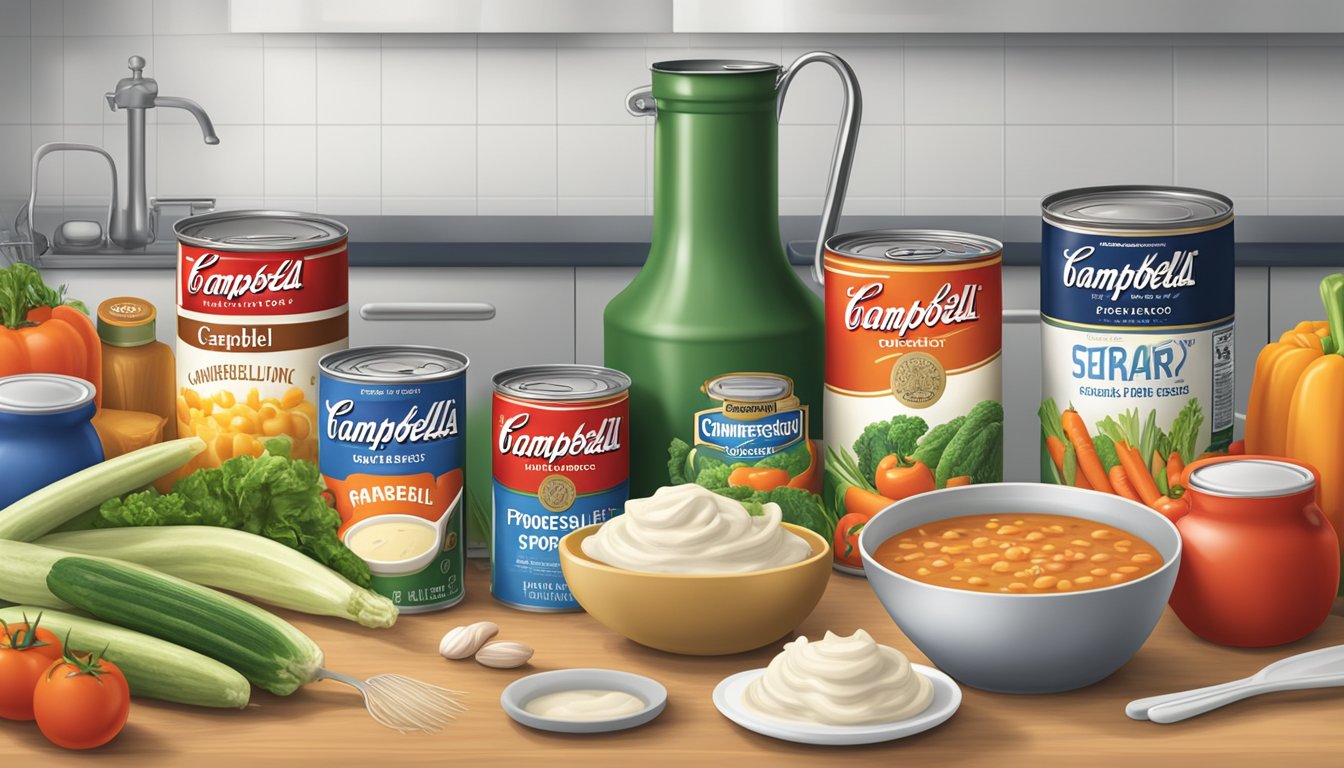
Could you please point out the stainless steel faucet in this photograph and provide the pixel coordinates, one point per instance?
(130, 226)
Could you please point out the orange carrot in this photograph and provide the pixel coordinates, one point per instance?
(759, 478)
(865, 502)
(1121, 483)
(953, 482)
(1138, 474)
(1174, 469)
(1056, 448)
(1089, 464)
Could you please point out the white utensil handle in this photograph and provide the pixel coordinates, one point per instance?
(1198, 705)
(1138, 708)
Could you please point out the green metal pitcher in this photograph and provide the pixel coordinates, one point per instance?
(717, 323)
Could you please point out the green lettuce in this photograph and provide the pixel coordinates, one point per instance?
(269, 495)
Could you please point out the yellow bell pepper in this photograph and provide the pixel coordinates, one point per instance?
(1316, 410)
(1278, 369)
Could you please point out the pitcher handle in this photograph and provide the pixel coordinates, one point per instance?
(842, 156)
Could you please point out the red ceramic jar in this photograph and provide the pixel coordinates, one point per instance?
(1260, 563)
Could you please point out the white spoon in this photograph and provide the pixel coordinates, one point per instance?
(1322, 668)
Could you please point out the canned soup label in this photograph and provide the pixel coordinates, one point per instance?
(1140, 325)
(557, 468)
(396, 449)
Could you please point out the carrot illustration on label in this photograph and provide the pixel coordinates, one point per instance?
(1137, 473)
(1088, 462)
(1120, 481)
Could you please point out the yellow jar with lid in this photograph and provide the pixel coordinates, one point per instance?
(139, 371)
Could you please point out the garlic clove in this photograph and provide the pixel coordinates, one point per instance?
(505, 654)
(464, 642)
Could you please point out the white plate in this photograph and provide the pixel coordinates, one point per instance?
(728, 697)
(523, 690)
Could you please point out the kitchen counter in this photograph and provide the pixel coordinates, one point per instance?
(325, 725)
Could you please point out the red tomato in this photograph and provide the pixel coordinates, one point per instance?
(25, 653)
(899, 482)
(847, 539)
(81, 702)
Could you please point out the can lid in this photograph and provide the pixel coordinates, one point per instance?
(913, 246)
(1252, 478)
(126, 321)
(561, 382)
(713, 66)
(1137, 208)
(260, 231)
(389, 363)
(749, 387)
(37, 394)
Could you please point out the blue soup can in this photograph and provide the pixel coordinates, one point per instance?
(1137, 316)
(46, 432)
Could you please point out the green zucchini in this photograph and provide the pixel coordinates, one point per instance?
(269, 652)
(154, 668)
(237, 561)
(23, 575)
(45, 509)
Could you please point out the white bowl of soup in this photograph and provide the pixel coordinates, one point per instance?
(1022, 587)
(394, 544)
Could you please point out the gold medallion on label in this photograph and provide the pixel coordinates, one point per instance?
(917, 379)
(557, 493)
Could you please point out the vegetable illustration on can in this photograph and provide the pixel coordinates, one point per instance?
(561, 462)
(1136, 336)
(913, 371)
(392, 451)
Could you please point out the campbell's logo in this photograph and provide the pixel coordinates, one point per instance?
(439, 421)
(1176, 271)
(606, 438)
(268, 278)
(945, 308)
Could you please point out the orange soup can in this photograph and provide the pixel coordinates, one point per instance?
(914, 336)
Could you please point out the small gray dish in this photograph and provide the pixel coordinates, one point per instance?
(524, 689)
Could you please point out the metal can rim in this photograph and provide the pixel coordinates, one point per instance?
(837, 245)
(1305, 479)
(342, 232)
(81, 393)
(501, 382)
(1050, 203)
(326, 364)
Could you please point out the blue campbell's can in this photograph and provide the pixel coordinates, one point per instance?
(1137, 316)
(392, 450)
(561, 462)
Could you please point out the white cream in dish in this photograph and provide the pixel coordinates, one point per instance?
(584, 705)
(687, 529)
(840, 681)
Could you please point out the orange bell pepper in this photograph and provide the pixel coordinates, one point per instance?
(40, 333)
(1278, 368)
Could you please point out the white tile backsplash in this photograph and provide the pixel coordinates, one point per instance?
(16, 82)
(600, 161)
(1220, 86)
(234, 167)
(15, 146)
(1306, 85)
(1088, 85)
(954, 85)
(349, 85)
(222, 73)
(516, 86)
(289, 85)
(1306, 161)
(429, 161)
(429, 86)
(290, 161)
(591, 84)
(349, 161)
(428, 124)
(1227, 158)
(1040, 159)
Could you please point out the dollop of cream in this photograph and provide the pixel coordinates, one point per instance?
(840, 681)
(584, 705)
(688, 529)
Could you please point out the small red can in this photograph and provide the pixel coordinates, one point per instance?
(1260, 561)
(561, 461)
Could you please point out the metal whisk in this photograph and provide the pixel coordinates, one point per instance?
(403, 703)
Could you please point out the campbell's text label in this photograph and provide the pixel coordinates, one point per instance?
(258, 284)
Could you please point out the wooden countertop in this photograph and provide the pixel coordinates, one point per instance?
(324, 724)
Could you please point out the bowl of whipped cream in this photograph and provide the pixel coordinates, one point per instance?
(689, 571)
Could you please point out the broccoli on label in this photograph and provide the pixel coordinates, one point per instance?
(795, 459)
(932, 445)
(714, 475)
(900, 436)
(678, 454)
(977, 448)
